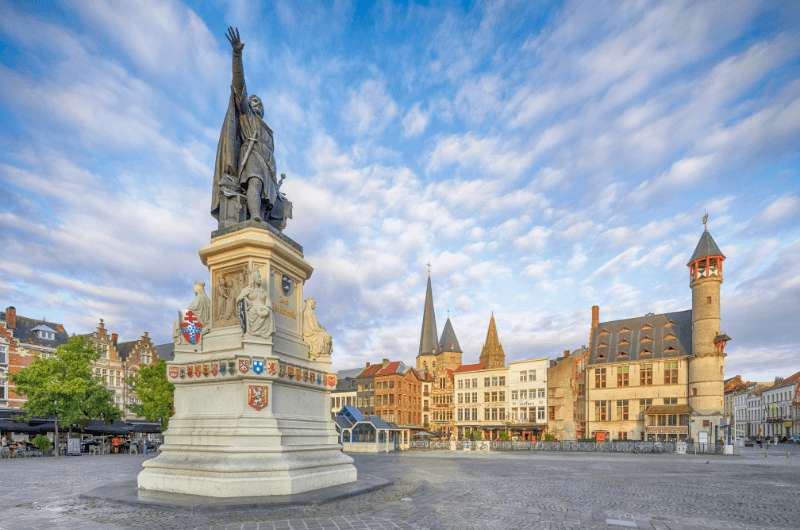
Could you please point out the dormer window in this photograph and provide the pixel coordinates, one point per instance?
(670, 336)
(624, 343)
(44, 332)
(645, 352)
(647, 328)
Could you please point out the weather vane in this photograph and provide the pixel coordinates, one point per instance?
(705, 221)
(429, 267)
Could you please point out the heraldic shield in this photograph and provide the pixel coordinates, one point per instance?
(257, 396)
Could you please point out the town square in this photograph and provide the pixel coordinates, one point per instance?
(399, 265)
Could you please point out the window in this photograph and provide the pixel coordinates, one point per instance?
(486, 397)
(494, 381)
(646, 375)
(671, 372)
(487, 381)
(474, 397)
(474, 414)
(643, 404)
(670, 401)
(523, 377)
(542, 393)
(622, 409)
(460, 384)
(531, 375)
(502, 380)
(502, 395)
(3, 352)
(599, 377)
(540, 414)
(601, 410)
(551, 413)
(3, 385)
(501, 414)
(514, 395)
(494, 397)
(622, 376)
(523, 394)
(622, 435)
(460, 397)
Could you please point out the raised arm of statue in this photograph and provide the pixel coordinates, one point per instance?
(239, 88)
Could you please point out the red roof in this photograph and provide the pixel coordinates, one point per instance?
(389, 369)
(469, 368)
(370, 370)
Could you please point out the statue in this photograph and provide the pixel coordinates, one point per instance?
(255, 309)
(195, 320)
(245, 171)
(315, 335)
(201, 305)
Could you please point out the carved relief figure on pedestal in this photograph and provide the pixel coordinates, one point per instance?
(315, 335)
(228, 284)
(254, 304)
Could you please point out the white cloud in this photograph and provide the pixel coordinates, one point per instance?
(369, 108)
(781, 208)
(415, 121)
(535, 239)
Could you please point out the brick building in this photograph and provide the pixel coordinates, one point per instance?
(22, 339)
(398, 393)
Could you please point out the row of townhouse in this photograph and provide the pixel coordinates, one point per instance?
(23, 339)
(650, 377)
(764, 410)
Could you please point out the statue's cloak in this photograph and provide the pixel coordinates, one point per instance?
(227, 152)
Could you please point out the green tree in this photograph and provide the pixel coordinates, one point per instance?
(154, 392)
(64, 387)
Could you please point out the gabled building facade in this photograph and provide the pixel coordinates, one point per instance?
(660, 377)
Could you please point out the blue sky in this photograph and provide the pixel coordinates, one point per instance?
(543, 157)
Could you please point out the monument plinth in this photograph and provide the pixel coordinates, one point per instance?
(252, 366)
(251, 411)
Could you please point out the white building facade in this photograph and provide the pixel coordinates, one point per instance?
(527, 394)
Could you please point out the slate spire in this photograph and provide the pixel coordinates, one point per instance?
(427, 338)
(492, 354)
(706, 247)
(449, 341)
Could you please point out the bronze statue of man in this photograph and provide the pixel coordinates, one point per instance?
(245, 169)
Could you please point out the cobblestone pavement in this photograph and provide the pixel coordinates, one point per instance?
(451, 490)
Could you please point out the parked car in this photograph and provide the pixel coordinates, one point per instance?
(795, 438)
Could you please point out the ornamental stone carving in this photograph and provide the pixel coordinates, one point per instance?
(201, 305)
(255, 310)
(319, 341)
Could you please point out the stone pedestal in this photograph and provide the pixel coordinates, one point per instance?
(251, 412)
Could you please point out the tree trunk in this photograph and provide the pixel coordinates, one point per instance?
(56, 429)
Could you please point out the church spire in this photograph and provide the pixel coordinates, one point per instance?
(449, 341)
(428, 342)
(492, 354)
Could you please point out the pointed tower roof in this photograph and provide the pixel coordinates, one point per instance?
(449, 342)
(706, 246)
(427, 337)
(492, 354)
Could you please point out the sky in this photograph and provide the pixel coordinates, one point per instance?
(542, 157)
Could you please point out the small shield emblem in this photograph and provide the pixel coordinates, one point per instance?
(197, 370)
(272, 367)
(286, 284)
(258, 366)
(257, 396)
(214, 369)
(173, 372)
(244, 365)
(222, 368)
(231, 367)
(206, 369)
(183, 373)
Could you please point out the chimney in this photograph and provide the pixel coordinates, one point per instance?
(11, 317)
(595, 316)
(566, 353)
(385, 361)
(367, 364)
(114, 337)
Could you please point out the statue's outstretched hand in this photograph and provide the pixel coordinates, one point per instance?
(233, 37)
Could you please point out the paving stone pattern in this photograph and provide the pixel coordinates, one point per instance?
(449, 490)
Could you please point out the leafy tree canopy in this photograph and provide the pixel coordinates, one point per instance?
(63, 386)
(154, 392)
